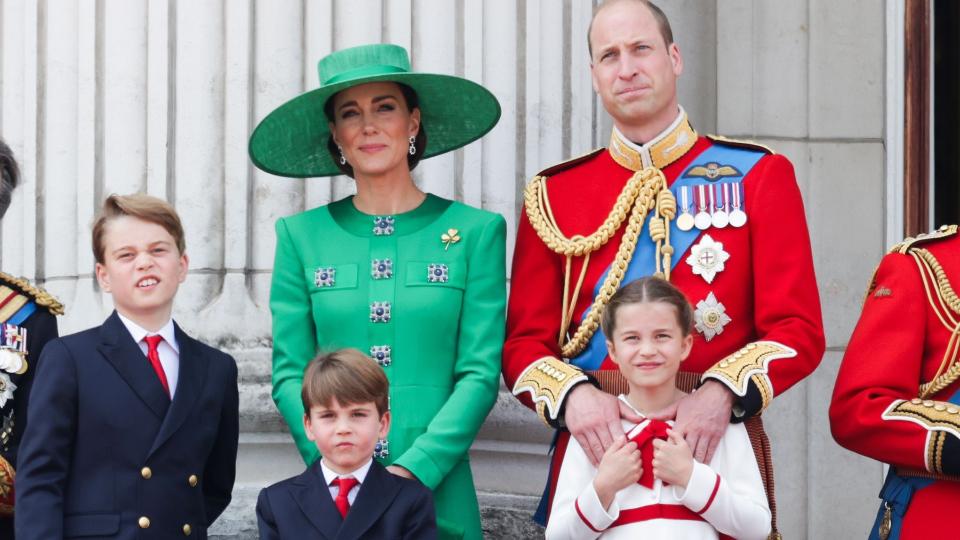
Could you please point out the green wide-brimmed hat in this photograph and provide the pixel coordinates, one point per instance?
(292, 140)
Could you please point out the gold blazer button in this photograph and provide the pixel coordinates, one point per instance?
(144, 522)
(193, 480)
(146, 473)
(187, 530)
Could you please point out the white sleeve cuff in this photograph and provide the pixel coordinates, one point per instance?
(701, 489)
(592, 513)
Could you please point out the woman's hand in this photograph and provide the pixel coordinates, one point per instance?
(620, 467)
(400, 471)
(672, 459)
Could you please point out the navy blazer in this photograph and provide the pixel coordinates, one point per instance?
(387, 506)
(107, 454)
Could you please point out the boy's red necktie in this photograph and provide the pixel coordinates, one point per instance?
(342, 502)
(655, 429)
(154, 356)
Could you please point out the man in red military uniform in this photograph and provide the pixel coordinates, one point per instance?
(722, 220)
(897, 397)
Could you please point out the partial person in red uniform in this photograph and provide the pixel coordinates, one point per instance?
(722, 220)
(897, 397)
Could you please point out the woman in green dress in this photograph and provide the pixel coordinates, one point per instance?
(416, 280)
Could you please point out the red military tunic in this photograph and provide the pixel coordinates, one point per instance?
(773, 336)
(884, 406)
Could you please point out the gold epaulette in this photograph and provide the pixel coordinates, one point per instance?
(38, 295)
(752, 145)
(570, 163)
(908, 243)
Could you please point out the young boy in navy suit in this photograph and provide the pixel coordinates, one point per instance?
(346, 494)
(133, 424)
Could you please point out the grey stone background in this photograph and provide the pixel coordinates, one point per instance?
(101, 96)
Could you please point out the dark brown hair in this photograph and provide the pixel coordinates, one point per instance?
(346, 375)
(140, 206)
(9, 176)
(412, 101)
(663, 23)
(647, 289)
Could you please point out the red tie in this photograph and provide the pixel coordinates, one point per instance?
(655, 429)
(342, 502)
(154, 357)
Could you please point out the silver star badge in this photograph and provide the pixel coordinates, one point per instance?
(711, 316)
(707, 258)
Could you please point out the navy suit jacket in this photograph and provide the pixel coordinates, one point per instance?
(106, 447)
(387, 506)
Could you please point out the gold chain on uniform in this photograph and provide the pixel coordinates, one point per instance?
(947, 298)
(646, 190)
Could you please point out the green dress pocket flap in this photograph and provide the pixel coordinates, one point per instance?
(436, 274)
(331, 277)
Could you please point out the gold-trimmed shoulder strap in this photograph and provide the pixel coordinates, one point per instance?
(740, 143)
(38, 295)
(911, 241)
(570, 163)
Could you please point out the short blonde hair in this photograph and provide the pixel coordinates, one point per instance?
(140, 206)
(346, 375)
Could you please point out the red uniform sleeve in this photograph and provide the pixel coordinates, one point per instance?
(789, 340)
(882, 366)
(533, 320)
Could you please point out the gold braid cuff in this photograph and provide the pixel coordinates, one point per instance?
(645, 191)
(7, 477)
(939, 418)
(40, 296)
(548, 380)
(750, 363)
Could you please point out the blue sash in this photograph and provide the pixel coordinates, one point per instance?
(22, 313)
(897, 492)
(644, 257)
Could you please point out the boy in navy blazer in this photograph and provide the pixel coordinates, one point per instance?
(346, 494)
(133, 424)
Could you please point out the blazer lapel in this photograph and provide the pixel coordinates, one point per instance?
(376, 494)
(119, 349)
(312, 495)
(193, 372)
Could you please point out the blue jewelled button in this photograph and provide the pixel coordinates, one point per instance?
(381, 268)
(381, 449)
(383, 225)
(381, 353)
(325, 276)
(437, 273)
(380, 312)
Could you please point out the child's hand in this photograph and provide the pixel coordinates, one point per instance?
(620, 467)
(672, 459)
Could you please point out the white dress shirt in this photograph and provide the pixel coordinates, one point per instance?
(168, 349)
(329, 476)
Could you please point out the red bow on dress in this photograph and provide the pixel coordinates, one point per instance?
(655, 429)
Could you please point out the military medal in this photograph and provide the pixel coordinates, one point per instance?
(738, 218)
(707, 258)
(711, 316)
(702, 219)
(719, 193)
(685, 220)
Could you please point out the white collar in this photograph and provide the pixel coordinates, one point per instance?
(138, 332)
(329, 475)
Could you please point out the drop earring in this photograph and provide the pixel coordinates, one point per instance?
(343, 159)
(413, 145)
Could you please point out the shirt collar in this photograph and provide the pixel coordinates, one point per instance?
(138, 332)
(329, 475)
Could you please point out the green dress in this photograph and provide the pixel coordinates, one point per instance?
(422, 292)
